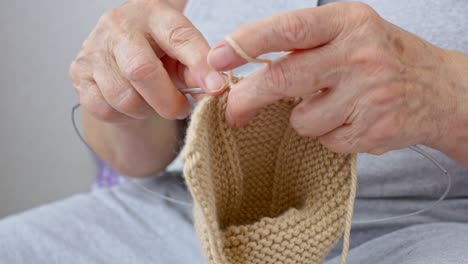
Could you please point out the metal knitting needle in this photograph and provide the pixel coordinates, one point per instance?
(231, 78)
(191, 90)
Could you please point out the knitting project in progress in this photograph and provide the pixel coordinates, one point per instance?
(263, 193)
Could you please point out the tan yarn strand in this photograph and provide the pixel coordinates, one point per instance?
(349, 212)
(242, 53)
(352, 194)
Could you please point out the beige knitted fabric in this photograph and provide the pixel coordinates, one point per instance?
(264, 194)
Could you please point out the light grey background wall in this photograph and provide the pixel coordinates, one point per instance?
(41, 159)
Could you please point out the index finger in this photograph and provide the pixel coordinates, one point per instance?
(181, 40)
(140, 65)
(293, 30)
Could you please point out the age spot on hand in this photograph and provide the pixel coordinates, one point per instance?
(399, 46)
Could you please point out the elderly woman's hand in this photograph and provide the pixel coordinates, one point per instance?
(366, 85)
(132, 63)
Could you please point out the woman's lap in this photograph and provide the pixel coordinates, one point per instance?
(125, 224)
(129, 224)
(438, 243)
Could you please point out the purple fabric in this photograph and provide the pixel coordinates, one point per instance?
(106, 176)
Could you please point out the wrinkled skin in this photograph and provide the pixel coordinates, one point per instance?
(127, 76)
(366, 85)
(135, 59)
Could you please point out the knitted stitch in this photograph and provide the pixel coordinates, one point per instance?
(262, 193)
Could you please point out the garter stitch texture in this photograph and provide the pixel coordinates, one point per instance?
(262, 193)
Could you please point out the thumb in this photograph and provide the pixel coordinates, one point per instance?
(293, 30)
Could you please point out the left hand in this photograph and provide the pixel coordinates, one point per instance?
(366, 85)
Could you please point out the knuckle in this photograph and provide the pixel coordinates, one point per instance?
(345, 143)
(86, 43)
(367, 102)
(76, 69)
(141, 70)
(180, 35)
(276, 82)
(110, 18)
(293, 28)
(369, 55)
(80, 59)
(362, 12)
(96, 105)
(85, 93)
(72, 72)
(131, 102)
(74, 66)
(105, 113)
(99, 109)
(378, 97)
(147, 3)
(105, 19)
(112, 26)
(298, 122)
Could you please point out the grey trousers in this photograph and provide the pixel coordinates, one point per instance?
(132, 224)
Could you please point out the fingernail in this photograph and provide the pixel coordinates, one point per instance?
(221, 56)
(214, 81)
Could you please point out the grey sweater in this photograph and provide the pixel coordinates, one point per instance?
(131, 223)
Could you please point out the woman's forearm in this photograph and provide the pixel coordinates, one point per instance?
(453, 139)
(130, 87)
(138, 149)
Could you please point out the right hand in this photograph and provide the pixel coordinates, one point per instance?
(132, 63)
